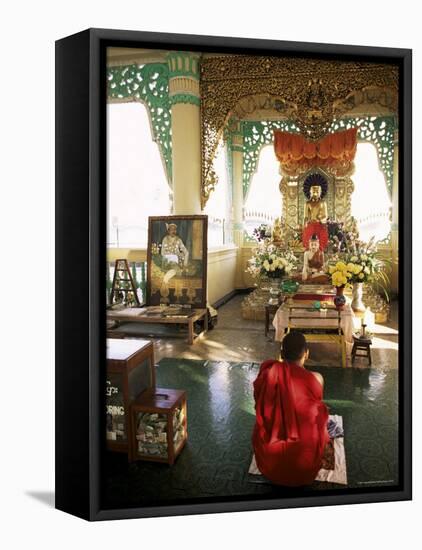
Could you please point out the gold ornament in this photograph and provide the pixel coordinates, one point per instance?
(237, 87)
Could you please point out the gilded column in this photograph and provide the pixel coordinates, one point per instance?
(186, 131)
(395, 218)
(237, 171)
(237, 175)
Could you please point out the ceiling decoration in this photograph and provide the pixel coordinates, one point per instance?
(309, 93)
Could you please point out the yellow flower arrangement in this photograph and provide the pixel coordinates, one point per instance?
(341, 273)
(361, 264)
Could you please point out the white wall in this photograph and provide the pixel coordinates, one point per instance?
(221, 272)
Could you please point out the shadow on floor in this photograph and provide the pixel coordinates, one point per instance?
(45, 497)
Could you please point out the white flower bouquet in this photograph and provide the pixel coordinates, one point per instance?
(272, 261)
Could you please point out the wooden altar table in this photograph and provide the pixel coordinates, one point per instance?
(326, 324)
(140, 315)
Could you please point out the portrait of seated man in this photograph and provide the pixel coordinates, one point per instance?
(173, 249)
(176, 250)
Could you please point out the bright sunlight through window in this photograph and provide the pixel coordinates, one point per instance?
(371, 202)
(136, 181)
(264, 202)
(218, 207)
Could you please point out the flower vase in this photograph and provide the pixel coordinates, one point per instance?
(357, 303)
(339, 299)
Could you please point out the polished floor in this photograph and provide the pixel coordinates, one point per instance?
(237, 339)
(217, 373)
(214, 464)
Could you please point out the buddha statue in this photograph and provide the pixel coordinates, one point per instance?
(315, 207)
(313, 263)
(277, 232)
(315, 212)
(313, 271)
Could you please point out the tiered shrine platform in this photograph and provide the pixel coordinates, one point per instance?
(253, 306)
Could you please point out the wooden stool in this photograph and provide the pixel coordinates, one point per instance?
(361, 344)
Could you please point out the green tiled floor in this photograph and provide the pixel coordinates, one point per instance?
(215, 461)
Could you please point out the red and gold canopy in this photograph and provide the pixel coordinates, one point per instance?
(296, 153)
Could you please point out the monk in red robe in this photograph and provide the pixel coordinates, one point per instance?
(290, 432)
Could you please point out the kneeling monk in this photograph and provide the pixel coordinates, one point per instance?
(290, 431)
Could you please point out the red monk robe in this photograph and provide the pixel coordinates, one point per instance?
(290, 432)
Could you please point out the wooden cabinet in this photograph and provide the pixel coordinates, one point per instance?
(130, 372)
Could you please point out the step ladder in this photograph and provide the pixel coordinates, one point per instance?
(123, 289)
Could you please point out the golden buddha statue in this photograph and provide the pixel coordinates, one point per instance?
(315, 207)
(277, 232)
(316, 213)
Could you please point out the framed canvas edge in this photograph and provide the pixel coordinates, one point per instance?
(245, 505)
(405, 268)
(72, 453)
(99, 38)
(281, 47)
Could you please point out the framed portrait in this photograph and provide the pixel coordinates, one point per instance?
(177, 260)
(233, 276)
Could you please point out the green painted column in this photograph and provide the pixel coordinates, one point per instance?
(184, 71)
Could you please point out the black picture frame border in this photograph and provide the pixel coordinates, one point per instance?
(81, 256)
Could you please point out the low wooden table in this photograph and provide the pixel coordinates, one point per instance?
(138, 315)
(318, 329)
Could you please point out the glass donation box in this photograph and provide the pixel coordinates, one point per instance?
(159, 423)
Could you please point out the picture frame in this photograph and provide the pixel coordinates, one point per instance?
(81, 256)
(186, 282)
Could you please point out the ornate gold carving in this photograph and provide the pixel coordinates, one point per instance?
(289, 193)
(249, 105)
(348, 201)
(384, 97)
(343, 200)
(309, 92)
